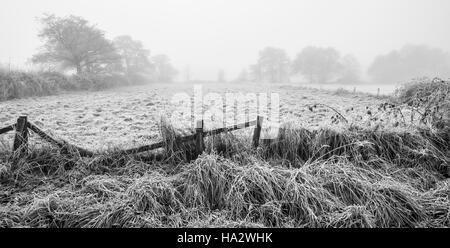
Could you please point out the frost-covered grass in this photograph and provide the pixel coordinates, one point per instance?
(323, 179)
(321, 171)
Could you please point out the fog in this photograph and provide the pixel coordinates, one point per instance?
(208, 36)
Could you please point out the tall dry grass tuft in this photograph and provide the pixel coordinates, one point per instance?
(176, 151)
(228, 145)
(155, 193)
(350, 217)
(205, 182)
(425, 148)
(430, 99)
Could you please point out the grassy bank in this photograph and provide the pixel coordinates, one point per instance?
(325, 178)
(19, 84)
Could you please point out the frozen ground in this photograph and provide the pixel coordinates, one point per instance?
(127, 117)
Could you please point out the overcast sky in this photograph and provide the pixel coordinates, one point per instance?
(209, 35)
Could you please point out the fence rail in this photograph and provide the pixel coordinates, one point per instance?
(61, 144)
(23, 125)
(6, 129)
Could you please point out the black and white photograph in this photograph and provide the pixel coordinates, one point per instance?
(225, 114)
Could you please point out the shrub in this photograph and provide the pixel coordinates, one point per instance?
(62, 81)
(431, 99)
(17, 84)
(22, 84)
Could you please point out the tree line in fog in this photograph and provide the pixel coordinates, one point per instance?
(73, 44)
(327, 65)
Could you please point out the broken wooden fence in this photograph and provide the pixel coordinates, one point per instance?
(22, 127)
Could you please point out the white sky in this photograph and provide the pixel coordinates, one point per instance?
(211, 34)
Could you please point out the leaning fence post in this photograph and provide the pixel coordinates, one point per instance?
(257, 133)
(199, 142)
(21, 137)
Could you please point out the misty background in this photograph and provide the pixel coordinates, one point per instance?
(322, 41)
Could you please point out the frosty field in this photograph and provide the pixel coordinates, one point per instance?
(130, 116)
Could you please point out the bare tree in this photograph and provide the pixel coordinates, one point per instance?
(72, 43)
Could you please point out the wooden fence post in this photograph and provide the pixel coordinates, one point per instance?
(199, 142)
(257, 133)
(21, 137)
